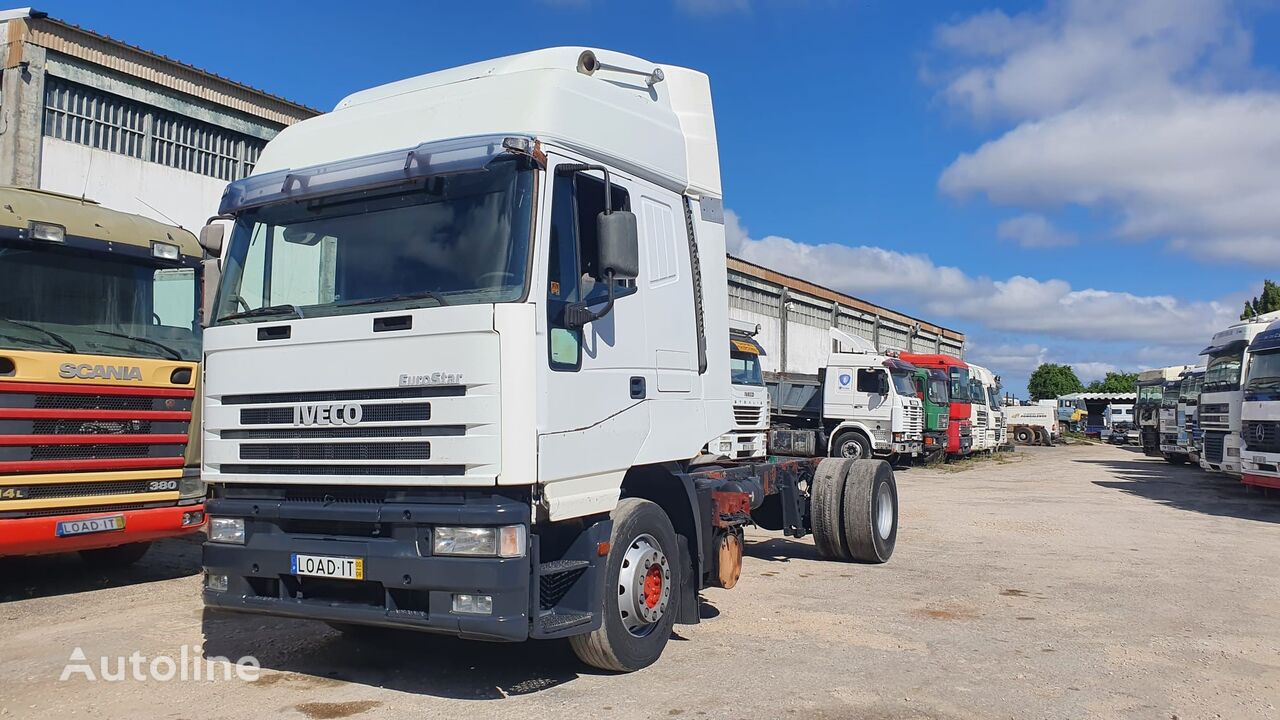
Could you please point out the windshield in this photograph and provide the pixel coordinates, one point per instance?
(1170, 396)
(1264, 371)
(903, 383)
(451, 239)
(977, 393)
(1190, 392)
(937, 387)
(1223, 373)
(70, 300)
(1150, 393)
(960, 384)
(993, 397)
(745, 368)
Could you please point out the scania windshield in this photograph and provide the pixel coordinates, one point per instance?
(960, 385)
(903, 383)
(448, 239)
(1223, 374)
(937, 387)
(78, 300)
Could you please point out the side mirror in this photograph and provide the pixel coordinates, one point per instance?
(884, 382)
(211, 236)
(619, 245)
(210, 278)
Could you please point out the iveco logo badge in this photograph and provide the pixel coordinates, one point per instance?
(348, 414)
(99, 372)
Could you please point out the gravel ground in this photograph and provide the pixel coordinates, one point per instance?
(1081, 581)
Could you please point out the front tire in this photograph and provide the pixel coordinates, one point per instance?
(1023, 436)
(115, 557)
(851, 445)
(641, 578)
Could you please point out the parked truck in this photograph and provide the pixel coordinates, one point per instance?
(1146, 408)
(989, 413)
(470, 338)
(99, 340)
(959, 393)
(1032, 424)
(1171, 422)
(1260, 411)
(1189, 435)
(862, 404)
(749, 436)
(931, 388)
(1222, 393)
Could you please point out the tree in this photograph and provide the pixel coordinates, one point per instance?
(1114, 382)
(1051, 380)
(1268, 301)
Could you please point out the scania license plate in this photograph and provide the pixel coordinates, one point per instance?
(343, 568)
(91, 525)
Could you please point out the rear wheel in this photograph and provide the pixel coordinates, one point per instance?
(826, 502)
(641, 576)
(115, 557)
(870, 511)
(1023, 436)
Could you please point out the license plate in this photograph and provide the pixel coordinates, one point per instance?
(343, 568)
(92, 525)
(1260, 459)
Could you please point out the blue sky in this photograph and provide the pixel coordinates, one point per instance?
(1074, 181)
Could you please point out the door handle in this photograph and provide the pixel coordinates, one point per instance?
(637, 388)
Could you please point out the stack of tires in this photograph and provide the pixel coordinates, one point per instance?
(854, 510)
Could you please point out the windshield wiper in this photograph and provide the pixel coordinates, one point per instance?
(262, 311)
(173, 354)
(66, 344)
(421, 294)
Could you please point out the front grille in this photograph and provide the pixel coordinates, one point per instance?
(347, 395)
(46, 512)
(1215, 408)
(109, 402)
(403, 412)
(89, 489)
(325, 470)
(1261, 435)
(748, 416)
(1213, 444)
(346, 432)
(88, 452)
(337, 451)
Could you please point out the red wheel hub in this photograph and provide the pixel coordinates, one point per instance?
(653, 586)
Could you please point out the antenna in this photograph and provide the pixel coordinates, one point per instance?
(157, 211)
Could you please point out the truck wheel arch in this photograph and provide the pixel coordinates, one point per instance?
(843, 429)
(673, 492)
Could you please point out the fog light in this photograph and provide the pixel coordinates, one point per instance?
(472, 604)
(1233, 452)
(226, 530)
(192, 518)
(217, 583)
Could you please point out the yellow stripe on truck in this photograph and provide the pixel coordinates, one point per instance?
(89, 477)
(75, 369)
(45, 503)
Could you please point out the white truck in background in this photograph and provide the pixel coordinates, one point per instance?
(1146, 408)
(1035, 424)
(1222, 393)
(862, 404)
(1260, 412)
(1120, 425)
(749, 437)
(989, 431)
(469, 341)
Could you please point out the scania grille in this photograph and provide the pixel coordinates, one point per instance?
(1213, 444)
(1261, 435)
(47, 512)
(914, 421)
(359, 433)
(48, 427)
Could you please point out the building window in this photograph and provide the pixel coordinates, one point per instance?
(86, 116)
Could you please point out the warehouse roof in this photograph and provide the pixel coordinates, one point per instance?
(1121, 397)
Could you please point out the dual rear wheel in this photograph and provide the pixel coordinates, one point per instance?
(854, 510)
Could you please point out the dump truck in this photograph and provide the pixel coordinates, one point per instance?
(862, 404)
(486, 315)
(99, 344)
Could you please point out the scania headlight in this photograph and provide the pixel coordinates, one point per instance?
(507, 541)
(226, 530)
(190, 486)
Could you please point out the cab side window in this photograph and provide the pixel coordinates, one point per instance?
(573, 259)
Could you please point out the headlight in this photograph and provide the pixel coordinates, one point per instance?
(506, 541)
(944, 422)
(190, 485)
(226, 530)
(899, 436)
(1233, 452)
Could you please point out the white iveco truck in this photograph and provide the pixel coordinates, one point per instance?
(1260, 411)
(862, 404)
(1222, 393)
(470, 337)
(988, 409)
(749, 436)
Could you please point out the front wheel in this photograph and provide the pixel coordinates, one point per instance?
(851, 445)
(642, 577)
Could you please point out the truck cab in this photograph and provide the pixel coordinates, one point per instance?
(1260, 412)
(870, 397)
(1119, 420)
(1171, 423)
(99, 345)
(931, 387)
(749, 436)
(987, 387)
(959, 394)
(1222, 393)
(1146, 408)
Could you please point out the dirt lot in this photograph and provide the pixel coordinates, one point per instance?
(1083, 581)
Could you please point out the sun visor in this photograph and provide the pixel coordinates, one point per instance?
(1268, 339)
(746, 345)
(1225, 348)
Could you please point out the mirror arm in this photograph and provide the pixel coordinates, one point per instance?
(579, 314)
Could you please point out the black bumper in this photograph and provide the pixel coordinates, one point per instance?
(403, 586)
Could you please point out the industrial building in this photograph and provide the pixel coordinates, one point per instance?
(91, 116)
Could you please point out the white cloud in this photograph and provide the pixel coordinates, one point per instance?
(1088, 371)
(1034, 231)
(1016, 304)
(1122, 107)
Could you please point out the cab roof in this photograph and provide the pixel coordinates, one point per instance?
(81, 218)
